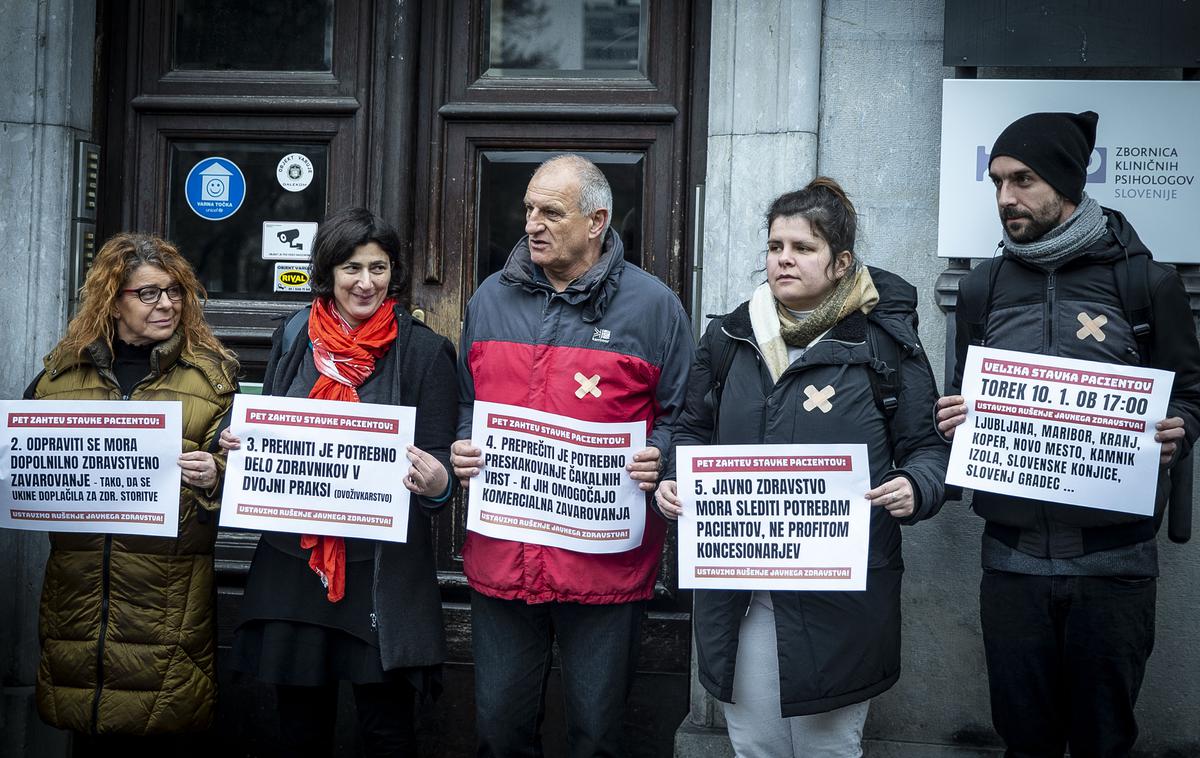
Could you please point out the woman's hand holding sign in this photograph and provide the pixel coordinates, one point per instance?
(667, 498)
(199, 469)
(896, 495)
(427, 476)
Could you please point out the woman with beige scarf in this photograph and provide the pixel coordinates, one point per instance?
(796, 670)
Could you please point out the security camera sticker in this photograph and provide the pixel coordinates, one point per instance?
(215, 188)
(288, 240)
(294, 172)
(293, 277)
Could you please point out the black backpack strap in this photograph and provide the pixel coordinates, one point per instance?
(975, 303)
(1132, 278)
(720, 372)
(885, 370)
(291, 330)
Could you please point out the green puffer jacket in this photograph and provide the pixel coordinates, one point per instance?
(127, 623)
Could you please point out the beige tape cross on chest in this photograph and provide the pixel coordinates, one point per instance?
(818, 398)
(1091, 326)
(587, 386)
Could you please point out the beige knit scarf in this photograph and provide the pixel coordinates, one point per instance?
(775, 328)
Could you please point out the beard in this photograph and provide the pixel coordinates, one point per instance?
(1038, 221)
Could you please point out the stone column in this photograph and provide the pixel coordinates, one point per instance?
(764, 108)
(47, 51)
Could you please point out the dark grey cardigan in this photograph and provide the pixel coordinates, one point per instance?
(420, 372)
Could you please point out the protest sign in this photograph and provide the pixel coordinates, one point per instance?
(554, 480)
(319, 467)
(1060, 429)
(91, 466)
(773, 517)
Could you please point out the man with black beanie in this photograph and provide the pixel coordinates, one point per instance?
(1068, 592)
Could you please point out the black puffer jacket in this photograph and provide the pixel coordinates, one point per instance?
(1035, 311)
(835, 648)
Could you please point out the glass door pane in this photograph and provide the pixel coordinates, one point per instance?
(565, 38)
(270, 183)
(503, 177)
(265, 35)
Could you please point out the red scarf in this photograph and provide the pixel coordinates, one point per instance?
(345, 356)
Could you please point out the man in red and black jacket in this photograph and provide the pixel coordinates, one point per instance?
(567, 303)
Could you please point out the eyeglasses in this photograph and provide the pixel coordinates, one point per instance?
(151, 294)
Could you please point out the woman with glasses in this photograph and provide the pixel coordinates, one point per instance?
(320, 610)
(126, 622)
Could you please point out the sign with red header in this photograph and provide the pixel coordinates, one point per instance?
(554, 480)
(95, 466)
(1059, 429)
(773, 517)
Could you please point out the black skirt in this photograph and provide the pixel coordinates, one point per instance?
(291, 634)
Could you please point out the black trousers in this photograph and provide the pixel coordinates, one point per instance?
(1065, 659)
(513, 644)
(308, 715)
(185, 745)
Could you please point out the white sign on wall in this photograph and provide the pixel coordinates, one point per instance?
(1146, 163)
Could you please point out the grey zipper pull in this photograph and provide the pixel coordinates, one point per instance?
(374, 620)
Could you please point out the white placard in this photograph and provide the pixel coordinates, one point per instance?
(1060, 429)
(319, 467)
(91, 466)
(1146, 163)
(773, 517)
(288, 240)
(554, 480)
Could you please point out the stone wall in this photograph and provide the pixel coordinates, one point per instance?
(877, 132)
(46, 52)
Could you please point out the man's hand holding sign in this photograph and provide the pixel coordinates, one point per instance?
(553, 480)
(1060, 429)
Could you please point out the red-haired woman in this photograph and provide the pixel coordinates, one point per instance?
(126, 622)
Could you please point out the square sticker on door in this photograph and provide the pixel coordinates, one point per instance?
(288, 240)
(293, 277)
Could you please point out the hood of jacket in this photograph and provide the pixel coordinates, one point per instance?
(594, 290)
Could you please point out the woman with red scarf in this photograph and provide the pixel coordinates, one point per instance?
(318, 610)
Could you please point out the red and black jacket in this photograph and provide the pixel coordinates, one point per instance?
(522, 344)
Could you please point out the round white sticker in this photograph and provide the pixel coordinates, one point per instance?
(294, 172)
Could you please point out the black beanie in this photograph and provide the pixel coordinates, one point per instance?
(1058, 146)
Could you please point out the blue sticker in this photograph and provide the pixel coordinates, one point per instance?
(215, 188)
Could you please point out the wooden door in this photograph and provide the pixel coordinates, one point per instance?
(434, 115)
(291, 96)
